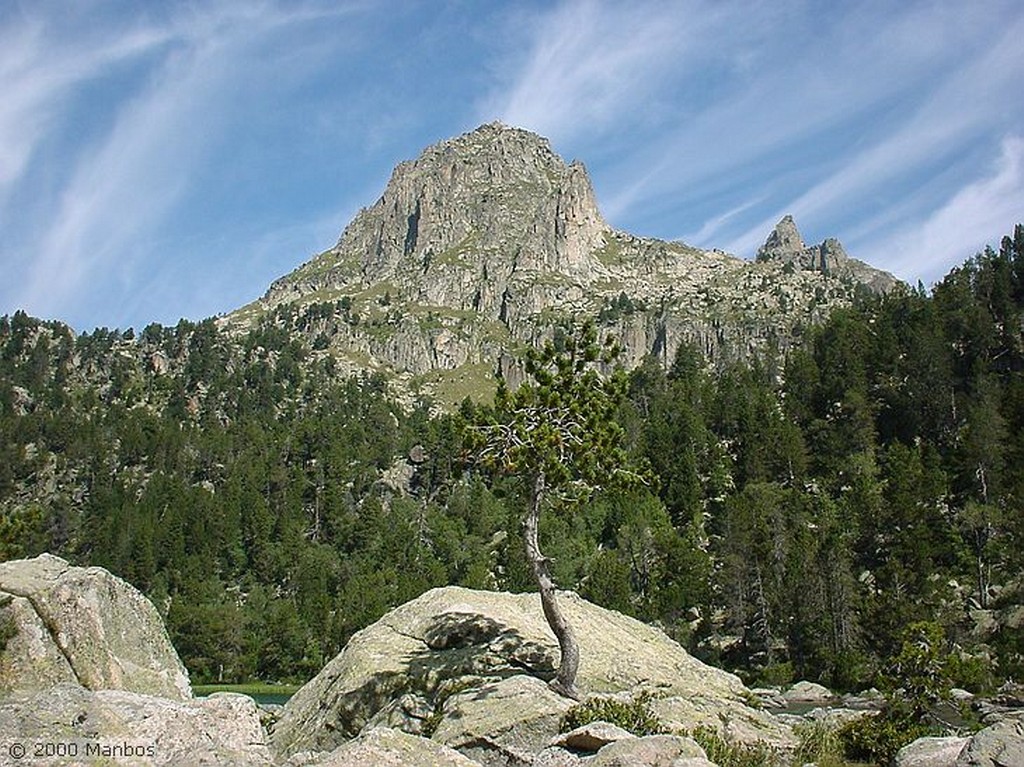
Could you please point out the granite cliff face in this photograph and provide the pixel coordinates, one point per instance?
(488, 241)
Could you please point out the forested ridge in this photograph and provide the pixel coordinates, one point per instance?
(803, 510)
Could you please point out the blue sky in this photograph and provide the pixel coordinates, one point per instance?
(161, 160)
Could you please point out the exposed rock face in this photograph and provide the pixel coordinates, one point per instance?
(502, 722)
(808, 692)
(785, 245)
(384, 747)
(499, 197)
(487, 241)
(125, 728)
(592, 737)
(650, 751)
(87, 668)
(1001, 745)
(85, 626)
(479, 661)
(931, 752)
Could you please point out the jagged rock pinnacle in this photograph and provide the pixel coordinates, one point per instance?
(786, 245)
(784, 240)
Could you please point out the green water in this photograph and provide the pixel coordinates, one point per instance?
(264, 694)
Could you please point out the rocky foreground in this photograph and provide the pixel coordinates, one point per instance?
(455, 677)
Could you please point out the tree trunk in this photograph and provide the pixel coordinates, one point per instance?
(565, 681)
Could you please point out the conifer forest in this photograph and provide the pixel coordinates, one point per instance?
(800, 509)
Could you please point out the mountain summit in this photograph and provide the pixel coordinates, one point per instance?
(453, 225)
(489, 241)
(786, 245)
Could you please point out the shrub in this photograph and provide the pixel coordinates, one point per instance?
(878, 738)
(725, 753)
(819, 744)
(919, 675)
(777, 674)
(634, 715)
(971, 672)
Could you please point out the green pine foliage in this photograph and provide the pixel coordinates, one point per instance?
(809, 505)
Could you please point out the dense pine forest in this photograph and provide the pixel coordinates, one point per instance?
(803, 509)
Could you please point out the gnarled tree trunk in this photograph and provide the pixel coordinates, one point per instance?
(565, 681)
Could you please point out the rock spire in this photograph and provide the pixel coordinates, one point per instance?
(785, 245)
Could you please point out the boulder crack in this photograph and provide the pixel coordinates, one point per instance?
(54, 633)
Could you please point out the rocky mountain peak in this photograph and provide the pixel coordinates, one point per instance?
(785, 245)
(784, 240)
(498, 198)
(486, 242)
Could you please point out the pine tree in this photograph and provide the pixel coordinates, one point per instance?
(557, 433)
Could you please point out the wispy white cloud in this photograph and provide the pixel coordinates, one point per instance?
(38, 69)
(122, 189)
(587, 63)
(977, 215)
(709, 230)
(707, 118)
(766, 109)
(958, 112)
(725, 84)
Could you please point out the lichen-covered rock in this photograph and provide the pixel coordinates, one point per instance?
(592, 737)
(808, 692)
(409, 713)
(384, 747)
(30, 658)
(931, 752)
(649, 751)
(503, 722)
(1000, 745)
(556, 756)
(83, 625)
(451, 644)
(116, 727)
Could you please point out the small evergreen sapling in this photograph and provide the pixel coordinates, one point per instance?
(557, 432)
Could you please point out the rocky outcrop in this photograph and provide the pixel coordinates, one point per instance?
(1000, 745)
(502, 722)
(115, 727)
(487, 241)
(808, 692)
(652, 751)
(492, 199)
(931, 752)
(90, 677)
(384, 747)
(83, 626)
(786, 246)
(592, 737)
(478, 662)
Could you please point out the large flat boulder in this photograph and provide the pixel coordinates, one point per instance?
(931, 752)
(384, 747)
(115, 727)
(507, 721)
(1000, 745)
(451, 643)
(85, 626)
(651, 751)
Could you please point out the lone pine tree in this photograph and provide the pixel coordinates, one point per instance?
(558, 434)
